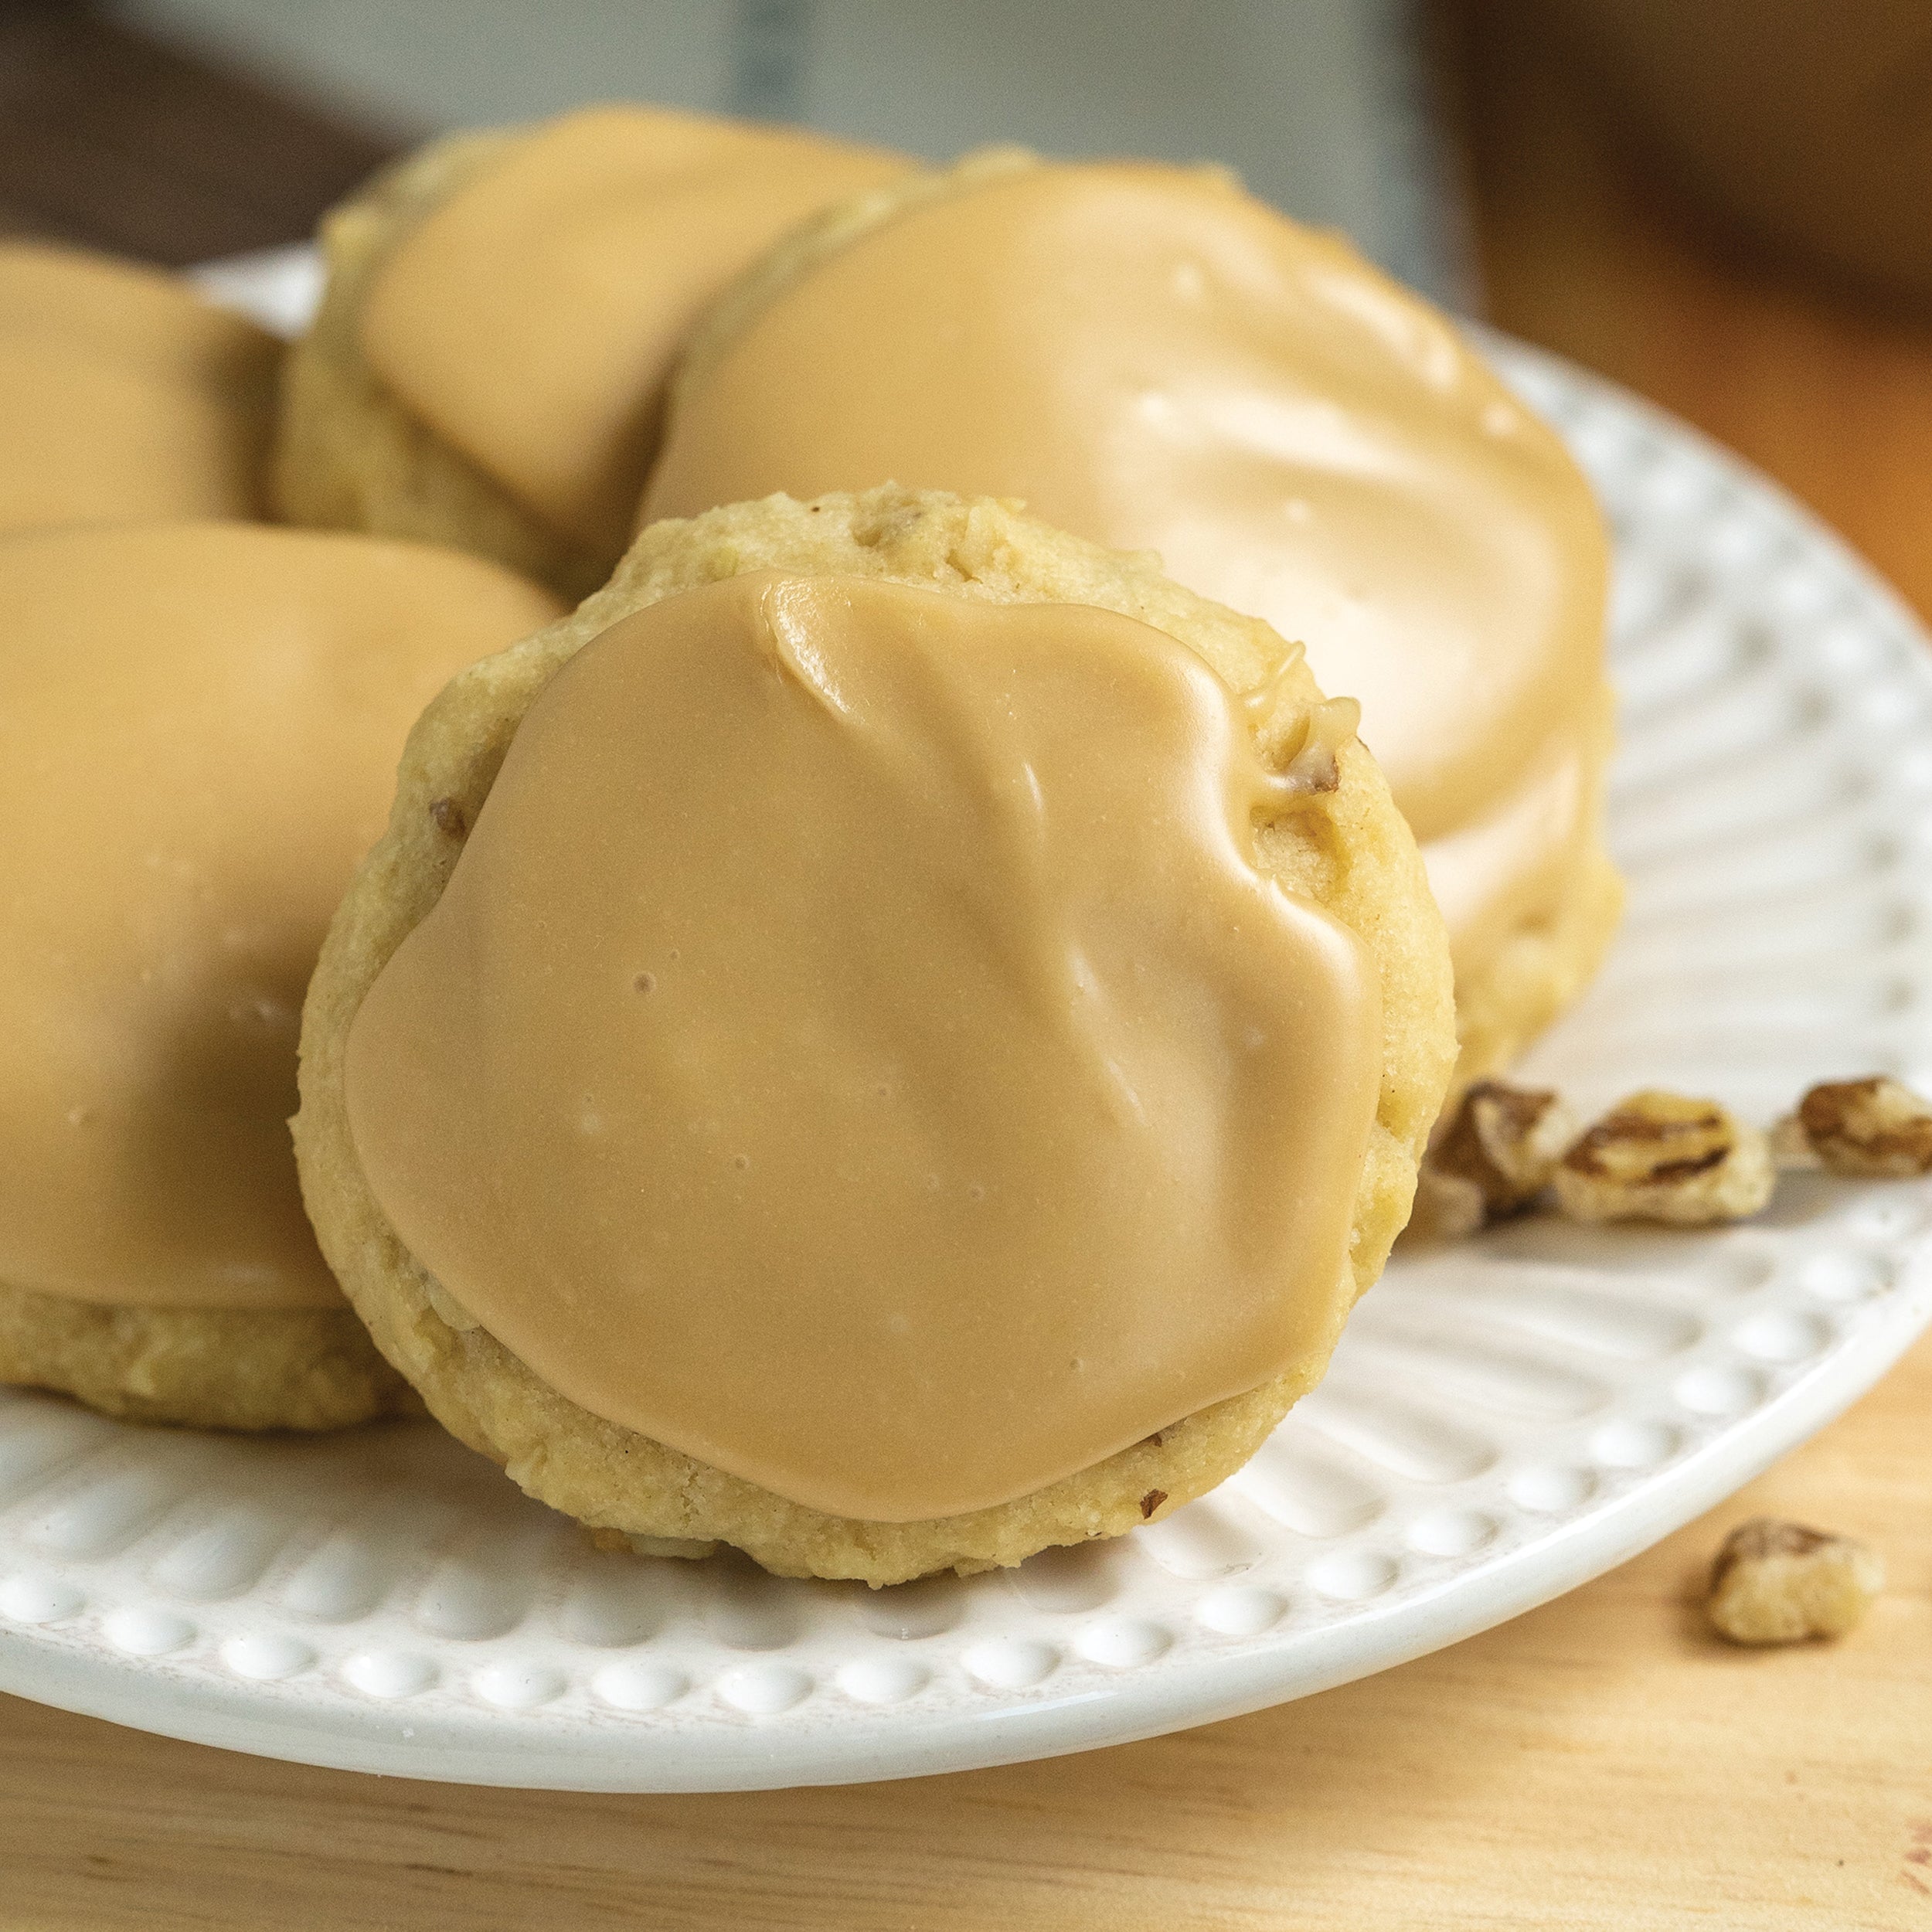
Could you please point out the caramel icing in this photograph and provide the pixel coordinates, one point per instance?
(197, 744)
(126, 397)
(1154, 360)
(856, 1046)
(532, 317)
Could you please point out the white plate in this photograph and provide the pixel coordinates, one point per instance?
(1502, 1421)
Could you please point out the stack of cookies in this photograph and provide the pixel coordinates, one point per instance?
(892, 1034)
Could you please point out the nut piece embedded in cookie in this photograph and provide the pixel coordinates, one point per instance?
(1492, 1159)
(1872, 1129)
(1662, 1157)
(1779, 1583)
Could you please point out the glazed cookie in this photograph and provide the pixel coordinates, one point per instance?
(1152, 359)
(859, 1045)
(126, 396)
(197, 744)
(502, 310)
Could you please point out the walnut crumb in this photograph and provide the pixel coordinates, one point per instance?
(1779, 1583)
(1791, 1153)
(446, 1307)
(1447, 1207)
(1315, 768)
(1152, 1502)
(1491, 1159)
(450, 818)
(1872, 1129)
(1663, 1157)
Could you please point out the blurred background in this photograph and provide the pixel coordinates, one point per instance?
(1320, 106)
(1722, 204)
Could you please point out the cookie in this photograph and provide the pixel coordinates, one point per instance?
(197, 747)
(859, 1045)
(1153, 359)
(247, 1368)
(501, 311)
(126, 396)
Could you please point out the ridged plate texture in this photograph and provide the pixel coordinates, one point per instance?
(1505, 1419)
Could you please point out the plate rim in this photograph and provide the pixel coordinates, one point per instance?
(874, 1749)
(860, 1745)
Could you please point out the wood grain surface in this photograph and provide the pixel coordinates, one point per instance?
(1601, 1762)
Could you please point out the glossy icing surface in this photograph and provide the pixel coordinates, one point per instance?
(125, 395)
(1154, 360)
(198, 743)
(532, 317)
(856, 1046)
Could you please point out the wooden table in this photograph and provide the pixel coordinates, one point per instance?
(1601, 1762)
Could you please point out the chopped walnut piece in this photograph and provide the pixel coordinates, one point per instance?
(1779, 1583)
(1152, 1502)
(1491, 1159)
(1872, 1129)
(1791, 1153)
(1447, 1207)
(450, 819)
(1661, 1156)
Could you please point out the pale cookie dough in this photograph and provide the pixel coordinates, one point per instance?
(1665, 1157)
(1543, 966)
(201, 1368)
(622, 223)
(1780, 1583)
(1348, 850)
